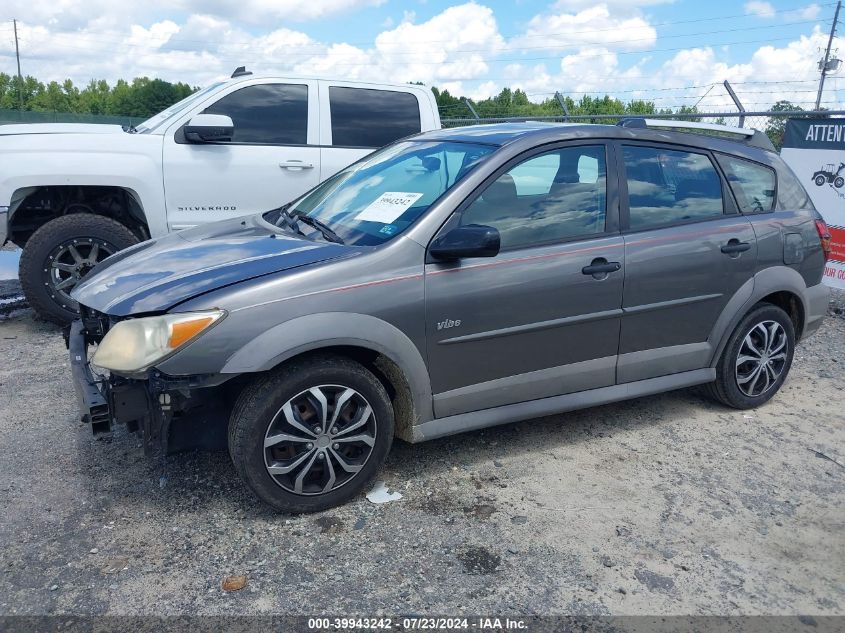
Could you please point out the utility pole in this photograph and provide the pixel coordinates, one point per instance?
(18, 56)
(828, 65)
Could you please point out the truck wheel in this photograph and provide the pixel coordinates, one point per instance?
(838, 182)
(312, 434)
(756, 360)
(819, 180)
(60, 253)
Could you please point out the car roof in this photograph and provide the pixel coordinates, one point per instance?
(293, 78)
(531, 133)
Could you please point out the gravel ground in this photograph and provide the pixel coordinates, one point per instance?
(663, 505)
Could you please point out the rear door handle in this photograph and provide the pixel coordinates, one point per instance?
(601, 266)
(296, 164)
(735, 247)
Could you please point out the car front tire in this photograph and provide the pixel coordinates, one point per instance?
(311, 434)
(756, 360)
(60, 254)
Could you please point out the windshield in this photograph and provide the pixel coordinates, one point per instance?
(157, 119)
(374, 200)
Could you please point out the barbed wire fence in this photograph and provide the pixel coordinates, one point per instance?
(770, 121)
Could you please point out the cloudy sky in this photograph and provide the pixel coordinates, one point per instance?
(673, 52)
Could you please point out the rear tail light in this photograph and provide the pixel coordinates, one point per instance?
(824, 237)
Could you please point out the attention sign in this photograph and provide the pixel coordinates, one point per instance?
(815, 150)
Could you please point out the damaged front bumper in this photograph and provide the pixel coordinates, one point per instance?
(171, 413)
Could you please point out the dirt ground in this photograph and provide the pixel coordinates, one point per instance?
(663, 505)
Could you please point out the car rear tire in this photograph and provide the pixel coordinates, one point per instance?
(311, 434)
(60, 254)
(756, 360)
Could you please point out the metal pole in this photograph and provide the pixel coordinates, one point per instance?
(18, 56)
(562, 103)
(471, 109)
(737, 103)
(827, 55)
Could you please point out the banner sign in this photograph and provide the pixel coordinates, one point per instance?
(815, 150)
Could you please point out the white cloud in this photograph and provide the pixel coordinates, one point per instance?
(810, 12)
(574, 5)
(254, 11)
(760, 9)
(589, 27)
(460, 48)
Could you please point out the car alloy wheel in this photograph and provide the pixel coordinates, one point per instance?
(70, 262)
(762, 358)
(319, 440)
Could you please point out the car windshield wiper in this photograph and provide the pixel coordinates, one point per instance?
(330, 235)
(287, 220)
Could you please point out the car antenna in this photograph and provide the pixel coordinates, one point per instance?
(240, 71)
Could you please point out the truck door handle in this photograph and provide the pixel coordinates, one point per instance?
(296, 164)
(735, 247)
(601, 267)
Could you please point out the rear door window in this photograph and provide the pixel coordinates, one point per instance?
(753, 184)
(371, 118)
(670, 187)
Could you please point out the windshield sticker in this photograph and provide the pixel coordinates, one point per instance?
(388, 207)
(388, 229)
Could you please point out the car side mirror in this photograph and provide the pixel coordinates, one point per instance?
(209, 128)
(472, 240)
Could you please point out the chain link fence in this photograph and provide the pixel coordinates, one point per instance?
(771, 122)
(31, 116)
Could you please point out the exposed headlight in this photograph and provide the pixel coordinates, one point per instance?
(135, 344)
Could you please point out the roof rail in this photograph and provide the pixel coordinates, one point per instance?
(755, 138)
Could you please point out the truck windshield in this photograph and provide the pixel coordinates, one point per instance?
(157, 119)
(374, 200)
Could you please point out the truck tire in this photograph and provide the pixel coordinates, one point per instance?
(311, 434)
(60, 253)
(756, 360)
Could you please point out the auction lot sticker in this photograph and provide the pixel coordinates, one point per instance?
(815, 150)
(388, 207)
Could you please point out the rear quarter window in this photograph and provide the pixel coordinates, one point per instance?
(791, 193)
(753, 184)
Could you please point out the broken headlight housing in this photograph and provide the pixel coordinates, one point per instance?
(133, 345)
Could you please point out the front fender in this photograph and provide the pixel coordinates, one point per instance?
(32, 161)
(317, 331)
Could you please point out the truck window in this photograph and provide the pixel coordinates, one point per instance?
(275, 114)
(371, 118)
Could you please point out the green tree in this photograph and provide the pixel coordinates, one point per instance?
(776, 125)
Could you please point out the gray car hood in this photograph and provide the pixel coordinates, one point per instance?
(158, 274)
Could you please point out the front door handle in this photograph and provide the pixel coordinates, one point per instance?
(600, 267)
(735, 247)
(296, 164)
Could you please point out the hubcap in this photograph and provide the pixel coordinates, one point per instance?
(319, 440)
(762, 358)
(70, 262)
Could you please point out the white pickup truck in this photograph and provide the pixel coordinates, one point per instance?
(72, 194)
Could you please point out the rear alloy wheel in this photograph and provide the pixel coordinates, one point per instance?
(60, 254)
(756, 360)
(762, 358)
(311, 434)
